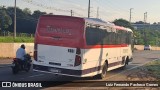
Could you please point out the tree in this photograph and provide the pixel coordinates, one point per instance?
(124, 23)
(139, 22)
(25, 22)
(27, 11)
(5, 19)
(36, 14)
(154, 23)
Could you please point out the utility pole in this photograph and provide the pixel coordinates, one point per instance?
(146, 17)
(71, 12)
(145, 21)
(97, 12)
(144, 34)
(130, 15)
(2, 17)
(89, 9)
(15, 19)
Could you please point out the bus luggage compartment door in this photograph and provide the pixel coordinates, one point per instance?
(56, 55)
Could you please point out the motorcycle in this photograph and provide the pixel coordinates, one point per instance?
(19, 65)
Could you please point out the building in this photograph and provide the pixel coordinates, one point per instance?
(146, 26)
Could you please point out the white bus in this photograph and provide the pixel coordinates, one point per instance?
(80, 47)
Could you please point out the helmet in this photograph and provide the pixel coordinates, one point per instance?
(23, 46)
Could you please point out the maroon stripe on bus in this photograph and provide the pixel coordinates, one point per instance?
(106, 46)
(74, 72)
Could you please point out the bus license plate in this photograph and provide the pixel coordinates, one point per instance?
(54, 70)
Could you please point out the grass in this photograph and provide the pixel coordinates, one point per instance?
(2, 58)
(154, 67)
(18, 39)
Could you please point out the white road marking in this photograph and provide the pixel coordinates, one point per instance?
(33, 76)
(36, 75)
(8, 65)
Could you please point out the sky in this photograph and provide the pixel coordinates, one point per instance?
(109, 10)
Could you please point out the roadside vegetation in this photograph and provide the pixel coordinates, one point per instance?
(10, 39)
(26, 20)
(148, 72)
(145, 36)
(154, 68)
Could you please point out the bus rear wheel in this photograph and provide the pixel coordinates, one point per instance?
(104, 72)
(125, 64)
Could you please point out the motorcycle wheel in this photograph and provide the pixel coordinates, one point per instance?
(14, 70)
(27, 68)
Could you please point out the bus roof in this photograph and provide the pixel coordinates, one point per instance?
(98, 22)
(123, 28)
(129, 30)
(104, 23)
(94, 21)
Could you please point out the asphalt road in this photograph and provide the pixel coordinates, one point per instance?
(140, 58)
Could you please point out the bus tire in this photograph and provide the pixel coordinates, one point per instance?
(104, 72)
(125, 64)
(15, 70)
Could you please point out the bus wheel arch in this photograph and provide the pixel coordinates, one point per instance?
(104, 69)
(125, 63)
(106, 61)
(127, 60)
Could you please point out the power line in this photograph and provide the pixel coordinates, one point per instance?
(75, 4)
(116, 5)
(46, 7)
(78, 14)
(115, 10)
(41, 5)
(112, 6)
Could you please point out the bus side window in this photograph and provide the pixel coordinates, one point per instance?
(109, 36)
(124, 37)
(94, 35)
(118, 37)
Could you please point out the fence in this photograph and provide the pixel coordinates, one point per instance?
(9, 49)
(11, 34)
